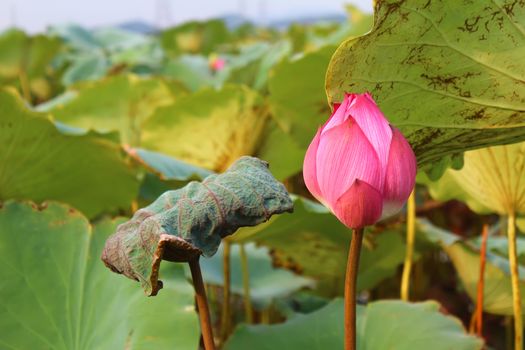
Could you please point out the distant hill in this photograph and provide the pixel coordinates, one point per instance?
(235, 20)
(138, 27)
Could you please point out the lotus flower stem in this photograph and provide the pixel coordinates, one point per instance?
(478, 314)
(248, 310)
(202, 304)
(350, 289)
(225, 316)
(409, 253)
(516, 295)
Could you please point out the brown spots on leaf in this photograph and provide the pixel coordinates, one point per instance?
(452, 83)
(39, 206)
(477, 114)
(509, 7)
(470, 24)
(286, 262)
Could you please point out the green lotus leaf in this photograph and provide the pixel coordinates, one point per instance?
(497, 294)
(58, 295)
(313, 243)
(491, 180)
(183, 224)
(90, 66)
(296, 113)
(212, 128)
(440, 73)
(119, 103)
(195, 37)
(388, 324)
(193, 71)
(38, 162)
(26, 60)
(166, 167)
(267, 283)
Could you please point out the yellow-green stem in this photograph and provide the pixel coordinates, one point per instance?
(246, 285)
(409, 253)
(225, 319)
(24, 85)
(516, 295)
(265, 315)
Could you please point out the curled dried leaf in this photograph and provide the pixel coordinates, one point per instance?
(183, 224)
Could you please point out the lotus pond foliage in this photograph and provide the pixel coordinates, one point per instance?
(192, 139)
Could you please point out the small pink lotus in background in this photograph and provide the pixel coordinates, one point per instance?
(358, 165)
(217, 63)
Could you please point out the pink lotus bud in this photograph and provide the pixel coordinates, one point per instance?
(217, 64)
(358, 165)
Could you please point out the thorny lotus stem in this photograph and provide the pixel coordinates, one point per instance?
(350, 289)
(202, 304)
(248, 310)
(409, 253)
(516, 295)
(478, 314)
(225, 316)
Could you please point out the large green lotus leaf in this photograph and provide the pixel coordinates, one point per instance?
(491, 180)
(117, 39)
(77, 37)
(210, 128)
(296, 112)
(439, 72)
(251, 66)
(284, 163)
(193, 71)
(120, 103)
(164, 173)
(392, 324)
(186, 223)
(499, 246)
(57, 294)
(166, 167)
(195, 37)
(27, 59)
(18, 51)
(266, 282)
(90, 66)
(314, 243)
(297, 97)
(466, 259)
(38, 162)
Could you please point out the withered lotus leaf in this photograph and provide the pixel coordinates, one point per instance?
(183, 224)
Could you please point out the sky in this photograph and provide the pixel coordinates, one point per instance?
(35, 15)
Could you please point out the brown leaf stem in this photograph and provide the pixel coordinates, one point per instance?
(202, 304)
(225, 319)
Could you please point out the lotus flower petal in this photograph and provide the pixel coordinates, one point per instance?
(344, 155)
(360, 206)
(373, 123)
(400, 174)
(339, 116)
(310, 168)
